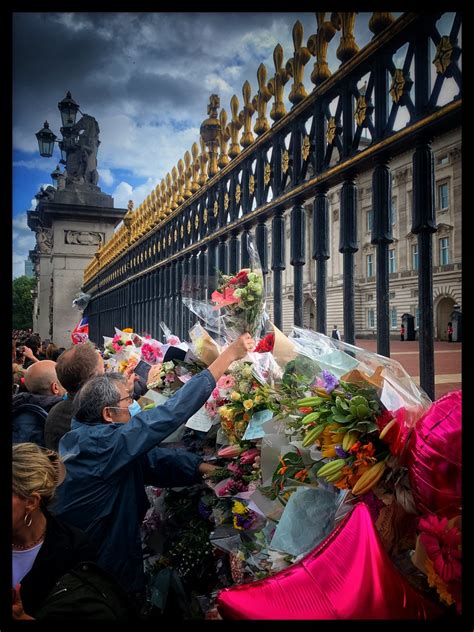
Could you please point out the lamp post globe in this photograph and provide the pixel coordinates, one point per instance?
(46, 140)
(68, 109)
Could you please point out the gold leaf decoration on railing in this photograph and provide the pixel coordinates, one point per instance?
(347, 46)
(204, 216)
(238, 193)
(196, 221)
(188, 227)
(226, 201)
(195, 168)
(246, 116)
(285, 161)
(203, 159)
(210, 129)
(259, 102)
(267, 174)
(305, 149)
(216, 208)
(181, 231)
(295, 65)
(443, 57)
(401, 84)
(234, 127)
(379, 21)
(276, 85)
(188, 174)
(175, 235)
(318, 46)
(223, 139)
(251, 185)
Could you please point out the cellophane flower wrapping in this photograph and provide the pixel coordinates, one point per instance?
(237, 304)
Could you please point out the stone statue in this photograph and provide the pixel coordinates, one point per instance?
(81, 162)
(44, 240)
(45, 193)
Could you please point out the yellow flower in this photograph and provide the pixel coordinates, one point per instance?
(248, 404)
(329, 451)
(128, 330)
(239, 508)
(235, 396)
(226, 412)
(258, 399)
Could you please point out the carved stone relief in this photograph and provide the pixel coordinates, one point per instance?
(83, 237)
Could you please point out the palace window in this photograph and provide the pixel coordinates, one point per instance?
(444, 251)
(414, 257)
(393, 318)
(370, 266)
(392, 261)
(369, 220)
(443, 196)
(371, 318)
(393, 212)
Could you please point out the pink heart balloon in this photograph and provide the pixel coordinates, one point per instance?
(434, 458)
(348, 576)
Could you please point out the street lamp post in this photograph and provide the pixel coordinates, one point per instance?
(78, 146)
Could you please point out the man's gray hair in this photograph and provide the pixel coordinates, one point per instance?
(95, 395)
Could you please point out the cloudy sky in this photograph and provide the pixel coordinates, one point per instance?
(146, 78)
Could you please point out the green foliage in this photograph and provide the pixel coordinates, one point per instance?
(22, 302)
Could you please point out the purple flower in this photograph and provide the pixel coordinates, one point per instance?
(204, 510)
(342, 454)
(330, 380)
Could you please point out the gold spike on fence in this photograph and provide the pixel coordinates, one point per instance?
(276, 85)
(246, 116)
(295, 65)
(260, 100)
(318, 46)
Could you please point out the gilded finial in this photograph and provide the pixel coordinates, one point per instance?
(210, 129)
(174, 188)
(379, 21)
(234, 127)
(188, 174)
(347, 46)
(245, 116)
(164, 200)
(195, 168)
(260, 100)
(224, 136)
(276, 85)
(180, 181)
(318, 46)
(203, 158)
(170, 192)
(295, 65)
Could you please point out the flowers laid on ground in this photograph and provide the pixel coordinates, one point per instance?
(241, 298)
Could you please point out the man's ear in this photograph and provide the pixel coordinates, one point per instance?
(107, 415)
(56, 388)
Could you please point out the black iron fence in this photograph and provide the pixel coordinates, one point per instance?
(348, 124)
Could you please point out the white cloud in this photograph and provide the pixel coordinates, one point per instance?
(122, 194)
(23, 240)
(107, 177)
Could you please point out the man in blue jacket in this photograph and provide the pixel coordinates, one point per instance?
(110, 457)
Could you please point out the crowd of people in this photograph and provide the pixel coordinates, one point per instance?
(83, 451)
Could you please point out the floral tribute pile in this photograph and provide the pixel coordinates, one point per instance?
(301, 430)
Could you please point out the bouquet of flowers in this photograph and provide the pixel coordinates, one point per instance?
(237, 305)
(237, 396)
(241, 301)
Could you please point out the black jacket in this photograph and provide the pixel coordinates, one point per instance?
(64, 546)
(58, 422)
(29, 412)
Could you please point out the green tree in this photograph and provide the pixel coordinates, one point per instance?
(22, 302)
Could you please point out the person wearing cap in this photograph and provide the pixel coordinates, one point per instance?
(43, 547)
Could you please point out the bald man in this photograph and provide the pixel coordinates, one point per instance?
(30, 409)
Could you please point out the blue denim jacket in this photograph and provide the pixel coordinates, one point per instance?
(108, 465)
